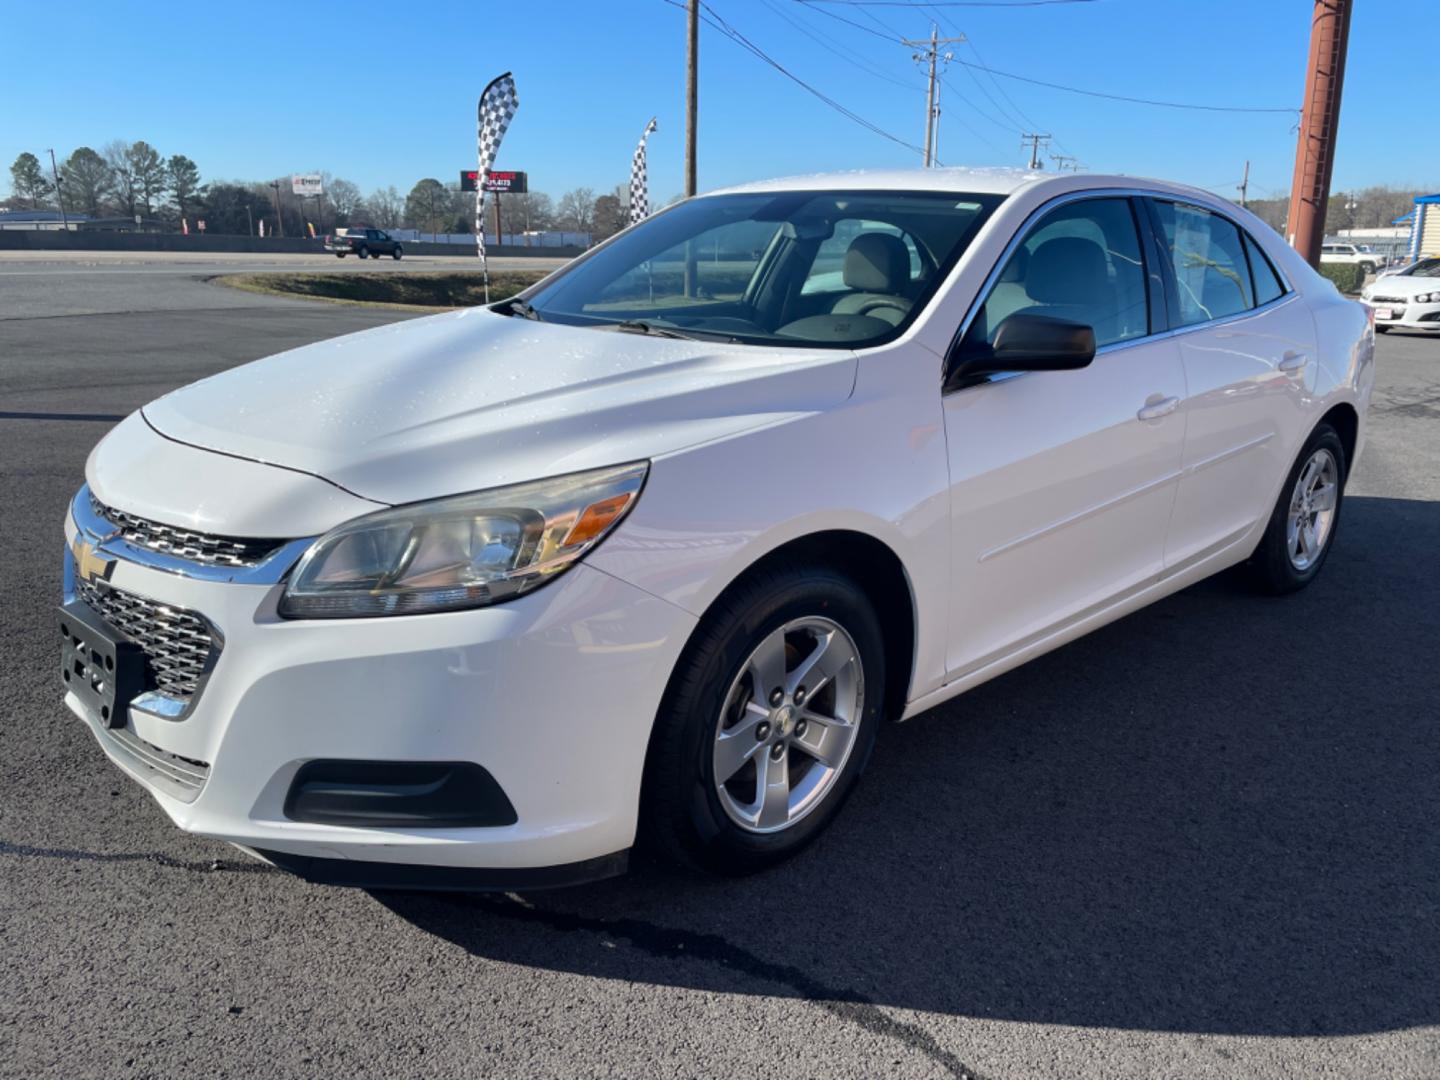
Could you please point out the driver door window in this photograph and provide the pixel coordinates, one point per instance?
(1082, 263)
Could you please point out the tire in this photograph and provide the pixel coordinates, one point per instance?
(1368, 268)
(339, 254)
(397, 253)
(364, 253)
(687, 817)
(1382, 329)
(1284, 562)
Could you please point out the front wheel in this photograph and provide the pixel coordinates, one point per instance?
(767, 723)
(1302, 524)
(1382, 329)
(397, 252)
(1367, 268)
(339, 254)
(364, 253)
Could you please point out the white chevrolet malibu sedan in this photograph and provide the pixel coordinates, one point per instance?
(1408, 299)
(652, 552)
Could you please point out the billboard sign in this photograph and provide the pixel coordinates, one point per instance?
(508, 183)
(307, 184)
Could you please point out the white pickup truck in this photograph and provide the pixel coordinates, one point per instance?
(1368, 261)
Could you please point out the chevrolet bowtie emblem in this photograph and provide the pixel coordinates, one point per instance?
(90, 564)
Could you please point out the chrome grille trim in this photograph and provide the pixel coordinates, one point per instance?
(183, 543)
(180, 647)
(182, 778)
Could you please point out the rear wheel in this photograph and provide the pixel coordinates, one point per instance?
(1303, 523)
(1382, 329)
(768, 722)
(339, 254)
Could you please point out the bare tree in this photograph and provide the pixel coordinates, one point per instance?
(127, 191)
(532, 212)
(576, 212)
(343, 195)
(385, 206)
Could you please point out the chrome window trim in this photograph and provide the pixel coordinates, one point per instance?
(107, 538)
(983, 293)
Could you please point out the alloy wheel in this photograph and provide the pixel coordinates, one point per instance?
(1311, 515)
(788, 724)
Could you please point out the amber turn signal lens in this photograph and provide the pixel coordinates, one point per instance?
(596, 518)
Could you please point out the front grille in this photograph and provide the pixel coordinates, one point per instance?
(1393, 301)
(177, 644)
(186, 543)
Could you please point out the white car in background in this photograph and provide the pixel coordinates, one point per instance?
(652, 552)
(1408, 298)
(1367, 260)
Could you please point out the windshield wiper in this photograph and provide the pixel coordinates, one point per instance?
(640, 326)
(524, 310)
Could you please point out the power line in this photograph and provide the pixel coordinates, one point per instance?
(1123, 97)
(716, 20)
(835, 47)
(950, 3)
(893, 39)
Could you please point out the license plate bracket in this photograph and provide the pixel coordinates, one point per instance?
(100, 666)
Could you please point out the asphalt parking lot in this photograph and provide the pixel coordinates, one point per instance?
(1200, 842)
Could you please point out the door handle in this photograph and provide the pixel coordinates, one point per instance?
(1292, 362)
(1155, 409)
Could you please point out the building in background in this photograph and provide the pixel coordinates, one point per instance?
(1425, 226)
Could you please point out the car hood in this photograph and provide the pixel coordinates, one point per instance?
(1402, 285)
(472, 399)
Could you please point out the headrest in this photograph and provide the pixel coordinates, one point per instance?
(1068, 270)
(877, 262)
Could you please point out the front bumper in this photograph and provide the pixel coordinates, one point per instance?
(554, 694)
(1409, 316)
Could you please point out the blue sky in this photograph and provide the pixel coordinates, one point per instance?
(385, 94)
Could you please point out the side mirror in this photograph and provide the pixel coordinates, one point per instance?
(1030, 343)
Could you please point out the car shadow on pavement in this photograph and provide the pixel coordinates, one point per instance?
(1218, 815)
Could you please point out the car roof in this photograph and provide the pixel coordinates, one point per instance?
(969, 180)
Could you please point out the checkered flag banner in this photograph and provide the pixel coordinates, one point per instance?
(497, 108)
(639, 181)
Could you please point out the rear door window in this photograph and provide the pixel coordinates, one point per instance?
(1212, 275)
(1267, 282)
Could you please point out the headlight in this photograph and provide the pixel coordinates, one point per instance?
(460, 552)
(1427, 298)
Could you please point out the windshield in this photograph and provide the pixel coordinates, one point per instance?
(1423, 268)
(795, 268)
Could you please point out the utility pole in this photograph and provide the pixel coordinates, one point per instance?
(930, 53)
(692, 94)
(1035, 141)
(59, 193)
(1319, 124)
(1244, 186)
(692, 119)
(279, 219)
(1063, 162)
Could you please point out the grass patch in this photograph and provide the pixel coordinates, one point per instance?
(434, 291)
